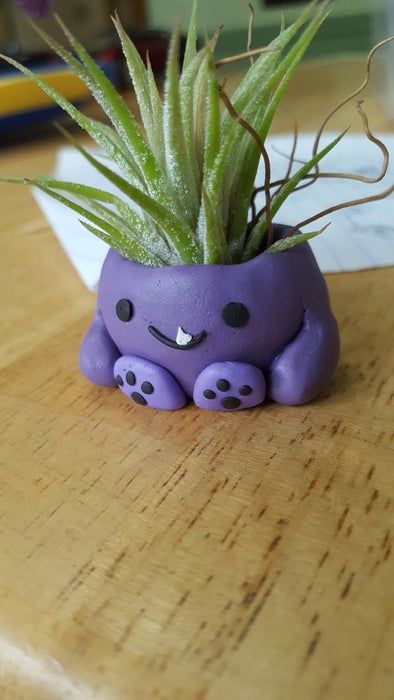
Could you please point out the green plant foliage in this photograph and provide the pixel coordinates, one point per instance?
(259, 231)
(291, 241)
(191, 169)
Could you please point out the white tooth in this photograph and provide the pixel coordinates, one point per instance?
(183, 338)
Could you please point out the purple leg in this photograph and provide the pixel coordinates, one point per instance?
(229, 386)
(98, 354)
(148, 384)
(300, 372)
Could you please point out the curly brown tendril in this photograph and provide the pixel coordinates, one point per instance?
(345, 101)
(345, 176)
(310, 178)
(244, 54)
(250, 30)
(343, 205)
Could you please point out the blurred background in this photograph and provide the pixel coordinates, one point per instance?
(352, 29)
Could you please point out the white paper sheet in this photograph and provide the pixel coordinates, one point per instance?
(358, 238)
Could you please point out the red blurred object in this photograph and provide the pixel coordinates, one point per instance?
(155, 44)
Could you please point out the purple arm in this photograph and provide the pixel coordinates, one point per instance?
(300, 372)
(98, 354)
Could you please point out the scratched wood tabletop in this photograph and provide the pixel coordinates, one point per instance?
(190, 555)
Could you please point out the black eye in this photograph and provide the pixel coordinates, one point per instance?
(235, 315)
(124, 310)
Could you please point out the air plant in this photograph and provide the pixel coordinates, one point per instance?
(191, 169)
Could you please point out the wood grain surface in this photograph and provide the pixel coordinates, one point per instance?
(190, 555)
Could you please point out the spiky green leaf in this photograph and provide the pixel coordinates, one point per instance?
(212, 132)
(113, 177)
(127, 250)
(246, 171)
(111, 234)
(211, 232)
(191, 40)
(179, 169)
(145, 91)
(291, 241)
(187, 100)
(260, 229)
(121, 117)
(92, 127)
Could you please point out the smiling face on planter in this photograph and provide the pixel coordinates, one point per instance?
(187, 317)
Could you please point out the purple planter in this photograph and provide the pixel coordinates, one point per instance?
(224, 335)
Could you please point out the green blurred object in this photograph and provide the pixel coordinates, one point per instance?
(7, 27)
(349, 29)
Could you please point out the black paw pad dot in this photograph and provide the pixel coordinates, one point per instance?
(209, 394)
(230, 402)
(138, 398)
(223, 385)
(245, 390)
(119, 380)
(147, 388)
(130, 378)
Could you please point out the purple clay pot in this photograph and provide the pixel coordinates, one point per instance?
(224, 335)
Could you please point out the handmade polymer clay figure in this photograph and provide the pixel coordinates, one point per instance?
(222, 334)
(201, 295)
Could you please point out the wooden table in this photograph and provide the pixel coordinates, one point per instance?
(190, 556)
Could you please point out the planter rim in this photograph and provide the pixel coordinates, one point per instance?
(279, 230)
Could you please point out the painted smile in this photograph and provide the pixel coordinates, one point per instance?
(184, 341)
